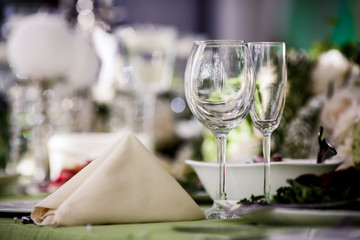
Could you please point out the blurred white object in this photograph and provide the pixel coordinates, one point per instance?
(102, 93)
(330, 69)
(106, 47)
(189, 129)
(85, 64)
(149, 54)
(40, 46)
(67, 150)
(246, 179)
(151, 51)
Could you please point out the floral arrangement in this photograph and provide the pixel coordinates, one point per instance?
(332, 101)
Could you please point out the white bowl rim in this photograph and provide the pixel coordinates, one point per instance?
(286, 161)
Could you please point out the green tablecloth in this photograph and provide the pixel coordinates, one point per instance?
(166, 230)
(159, 231)
(198, 230)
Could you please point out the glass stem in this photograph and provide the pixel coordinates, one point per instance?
(221, 156)
(266, 151)
(149, 115)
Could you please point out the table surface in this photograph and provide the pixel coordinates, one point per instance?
(237, 228)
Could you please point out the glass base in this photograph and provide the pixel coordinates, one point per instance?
(218, 212)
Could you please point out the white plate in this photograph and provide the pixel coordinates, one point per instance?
(303, 217)
(18, 206)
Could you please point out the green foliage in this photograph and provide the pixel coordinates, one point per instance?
(239, 134)
(351, 50)
(253, 199)
(320, 47)
(299, 67)
(299, 194)
(226, 93)
(330, 187)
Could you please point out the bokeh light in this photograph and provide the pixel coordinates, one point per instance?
(178, 105)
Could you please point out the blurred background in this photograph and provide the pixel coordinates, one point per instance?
(73, 74)
(299, 23)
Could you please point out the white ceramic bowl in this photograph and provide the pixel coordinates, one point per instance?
(246, 179)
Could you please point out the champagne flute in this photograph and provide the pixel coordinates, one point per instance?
(269, 59)
(219, 89)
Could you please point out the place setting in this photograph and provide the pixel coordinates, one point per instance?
(263, 202)
(224, 82)
(123, 119)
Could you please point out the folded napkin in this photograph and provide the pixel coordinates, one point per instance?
(127, 184)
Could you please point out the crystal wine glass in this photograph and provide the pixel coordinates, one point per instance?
(219, 89)
(269, 59)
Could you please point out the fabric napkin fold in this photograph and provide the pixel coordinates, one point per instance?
(126, 184)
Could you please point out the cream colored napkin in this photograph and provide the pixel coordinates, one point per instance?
(127, 184)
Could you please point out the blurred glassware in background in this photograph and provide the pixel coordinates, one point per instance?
(79, 76)
(48, 58)
(39, 49)
(150, 51)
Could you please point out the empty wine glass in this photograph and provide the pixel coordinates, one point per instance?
(220, 88)
(269, 59)
(151, 52)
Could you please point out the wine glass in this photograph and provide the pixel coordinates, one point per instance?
(150, 50)
(219, 89)
(269, 59)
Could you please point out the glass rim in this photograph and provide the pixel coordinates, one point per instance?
(220, 42)
(267, 43)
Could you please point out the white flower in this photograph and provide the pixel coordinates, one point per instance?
(40, 46)
(339, 116)
(331, 68)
